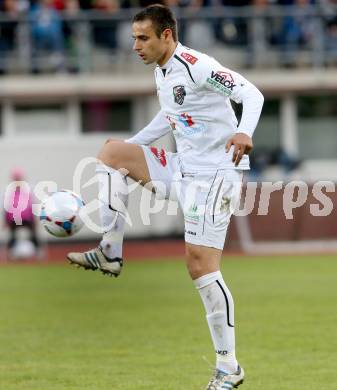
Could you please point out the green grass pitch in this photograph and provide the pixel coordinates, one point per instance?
(63, 328)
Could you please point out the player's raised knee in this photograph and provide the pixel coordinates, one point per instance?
(109, 140)
(113, 140)
(112, 154)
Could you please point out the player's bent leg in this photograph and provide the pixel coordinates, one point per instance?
(125, 156)
(117, 159)
(203, 264)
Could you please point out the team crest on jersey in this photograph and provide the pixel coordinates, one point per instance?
(179, 94)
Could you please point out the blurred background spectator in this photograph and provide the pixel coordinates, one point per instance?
(47, 36)
(8, 28)
(330, 11)
(232, 30)
(19, 204)
(297, 30)
(62, 31)
(105, 31)
(264, 158)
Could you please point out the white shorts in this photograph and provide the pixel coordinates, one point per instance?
(207, 199)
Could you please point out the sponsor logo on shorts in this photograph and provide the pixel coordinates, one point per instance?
(189, 58)
(160, 156)
(222, 81)
(225, 203)
(190, 232)
(179, 94)
(192, 215)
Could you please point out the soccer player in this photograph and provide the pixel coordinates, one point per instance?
(194, 92)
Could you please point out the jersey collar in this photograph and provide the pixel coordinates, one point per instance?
(169, 63)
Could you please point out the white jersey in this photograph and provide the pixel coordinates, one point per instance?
(194, 92)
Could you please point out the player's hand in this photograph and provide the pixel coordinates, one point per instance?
(243, 144)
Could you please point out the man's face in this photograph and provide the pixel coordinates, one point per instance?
(148, 46)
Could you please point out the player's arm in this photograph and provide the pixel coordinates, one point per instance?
(155, 129)
(252, 101)
(228, 83)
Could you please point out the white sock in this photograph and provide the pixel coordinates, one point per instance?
(219, 307)
(113, 196)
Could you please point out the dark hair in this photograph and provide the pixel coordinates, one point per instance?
(161, 18)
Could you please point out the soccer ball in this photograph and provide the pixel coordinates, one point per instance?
(60, 213)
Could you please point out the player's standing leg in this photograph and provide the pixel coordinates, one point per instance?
(116, 160)
(209, 199)
(203, 264)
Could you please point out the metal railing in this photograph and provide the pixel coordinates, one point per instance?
(257, 37)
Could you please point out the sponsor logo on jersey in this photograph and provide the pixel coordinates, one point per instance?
(179, 94)
(186, 120)
(189, 58)
(160, 156)
(222, 81)
(190, 127)
(171, 122)
(185, 126)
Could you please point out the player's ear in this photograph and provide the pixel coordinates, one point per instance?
(167, 34)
